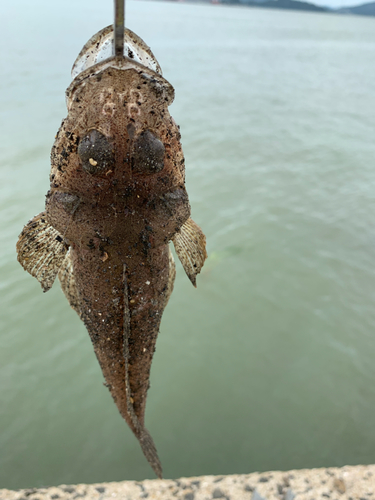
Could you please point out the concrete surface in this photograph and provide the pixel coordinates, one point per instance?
(346, 483)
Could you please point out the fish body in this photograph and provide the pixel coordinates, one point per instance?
(117, 198)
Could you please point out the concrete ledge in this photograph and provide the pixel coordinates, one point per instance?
(346, 483)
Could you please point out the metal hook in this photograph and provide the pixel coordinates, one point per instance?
(119, 27)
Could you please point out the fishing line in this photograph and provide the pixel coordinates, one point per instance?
(119, 28)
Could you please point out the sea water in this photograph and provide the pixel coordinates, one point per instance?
(269, 363)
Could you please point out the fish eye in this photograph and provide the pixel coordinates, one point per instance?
(96, 153)
(148, 154)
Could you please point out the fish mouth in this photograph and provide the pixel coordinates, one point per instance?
(97, 55)
(100, 48)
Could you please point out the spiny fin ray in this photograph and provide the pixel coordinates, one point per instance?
(190, 245)
(41, 250)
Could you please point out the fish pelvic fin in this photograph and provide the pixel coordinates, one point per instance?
(68, 284)
(171, 278)
(190, 245)
(41, 250)
(142, 434)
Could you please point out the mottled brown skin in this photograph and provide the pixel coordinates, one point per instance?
(118, 212)
(102, 284)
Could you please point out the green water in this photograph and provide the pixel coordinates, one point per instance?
(269, 363)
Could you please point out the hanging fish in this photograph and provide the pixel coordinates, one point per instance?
(117, 198)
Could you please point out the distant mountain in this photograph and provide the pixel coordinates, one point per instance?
(366, 9)
(278, 4)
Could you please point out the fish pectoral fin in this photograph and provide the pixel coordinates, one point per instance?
(41, 250)
(190, 245)
(68, 283)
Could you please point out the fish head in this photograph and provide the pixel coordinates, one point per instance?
(118, 152)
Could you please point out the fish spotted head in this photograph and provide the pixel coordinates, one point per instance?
(117, 162)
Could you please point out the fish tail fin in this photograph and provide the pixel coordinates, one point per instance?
(150, 452)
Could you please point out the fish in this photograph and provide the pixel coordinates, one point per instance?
(117, 199)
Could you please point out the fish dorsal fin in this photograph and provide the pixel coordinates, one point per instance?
(68, 284)
(190, 245)
(41, 250)
(142, 434)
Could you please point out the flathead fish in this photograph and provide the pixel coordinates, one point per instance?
(117, 198)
